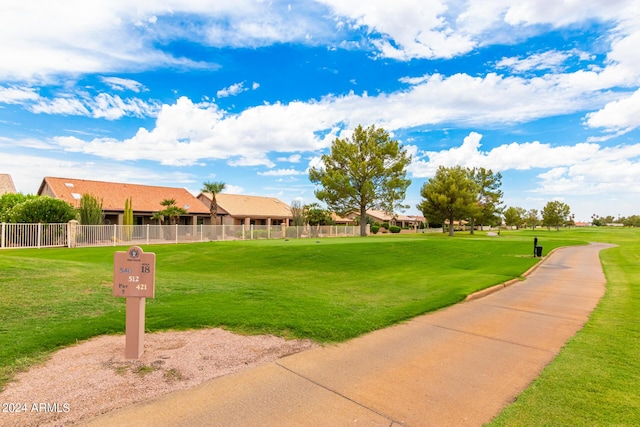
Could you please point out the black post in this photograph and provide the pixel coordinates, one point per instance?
(535, 246)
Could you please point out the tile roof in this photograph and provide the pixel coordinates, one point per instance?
(239, 205)
(6, 184)
(145, 198)
(387, 217)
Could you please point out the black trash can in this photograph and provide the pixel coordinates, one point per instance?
(538, 251)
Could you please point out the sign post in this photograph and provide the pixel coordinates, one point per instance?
(134, 278)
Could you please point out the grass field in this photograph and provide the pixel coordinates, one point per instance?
(328, 290)
(595, 381)
(331, 290)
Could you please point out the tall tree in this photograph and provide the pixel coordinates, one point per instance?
(555, 213)
(514, 216)
(532, 218)
(297, 213)
(489, 196)
(450, 195)
(366, 171)
(316, 216)
(213, 188)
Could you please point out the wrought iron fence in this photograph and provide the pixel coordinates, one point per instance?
(33, 235)
(76, 235)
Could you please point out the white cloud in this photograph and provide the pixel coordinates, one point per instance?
(114, 35)
(551, 60)
(103, 105)
(282, 172)
(294, 158)
(619, 116)
(520, 156)
(186, 132)
(124, 35)
(117, 83)
(410, 28)
(232, 90)
(233, 189)
(17, 95)
(579, 169)
(64, 106)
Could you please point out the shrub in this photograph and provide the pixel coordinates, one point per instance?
(90, 210)
(8, 201)
(394, 229)
(375, 229)
(43, 209)
(385, 225)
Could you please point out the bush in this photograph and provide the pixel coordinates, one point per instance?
(375, 229)
(90, 210)
(385, 225)
(43, 209)
(394, 229)
(8, 201)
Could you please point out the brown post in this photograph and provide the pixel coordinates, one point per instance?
(134, 278)
(134, 341)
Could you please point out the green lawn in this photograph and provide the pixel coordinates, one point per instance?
(595, 380)
(328, 290)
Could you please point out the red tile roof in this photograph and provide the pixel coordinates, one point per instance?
(145, 198)
(240, 205)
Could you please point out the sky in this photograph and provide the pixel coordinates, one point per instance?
(252, 93)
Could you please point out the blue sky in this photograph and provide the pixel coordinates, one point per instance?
(252, 93)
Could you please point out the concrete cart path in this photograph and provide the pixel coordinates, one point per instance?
(458, 366)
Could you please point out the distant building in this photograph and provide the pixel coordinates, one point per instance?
(400, 220)
(6, 184)
(146, 199)
(239, 209)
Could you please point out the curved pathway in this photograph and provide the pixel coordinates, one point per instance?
(458, 366)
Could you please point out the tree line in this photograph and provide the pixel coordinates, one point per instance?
(368, 171)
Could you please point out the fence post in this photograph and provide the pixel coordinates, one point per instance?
(148, 234)
(2, 239)
(39, 233)
(223, 237)
(72, 232)
(115, 233)
(242, 231)
(176, 233)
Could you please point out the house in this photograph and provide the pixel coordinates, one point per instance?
(146, 199)
(340, 220)
(239, 209)
(400, 220)
(6, 184)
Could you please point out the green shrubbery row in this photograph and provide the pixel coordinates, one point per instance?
(392, 228)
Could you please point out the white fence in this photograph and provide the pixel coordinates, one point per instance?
(75, 235)
(33, 235)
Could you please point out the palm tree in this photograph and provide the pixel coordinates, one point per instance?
(158, 217)
(213, 188)
(171, 210)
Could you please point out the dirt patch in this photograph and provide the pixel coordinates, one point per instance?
(94, 377)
